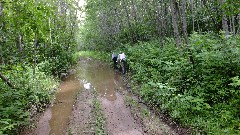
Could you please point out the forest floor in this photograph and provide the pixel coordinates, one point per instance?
(108, 107)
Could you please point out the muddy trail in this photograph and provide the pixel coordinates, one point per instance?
(72, 110)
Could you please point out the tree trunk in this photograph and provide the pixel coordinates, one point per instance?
(19, 46)
(184, 22)
(224, 20)
(156, 17)
(134, 7)
(167, 19)
(158, 22)
(174, 22)
(1, 41)
(192, 6)
(238, 30)
(230, 25)
(184, 25)
(233, 25)
(134, 12)
(128, 21)
(1, 9)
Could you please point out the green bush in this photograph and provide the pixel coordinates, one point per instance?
(204, 93)
(32, 93)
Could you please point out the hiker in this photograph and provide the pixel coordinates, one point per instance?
(122, 60)
(114, 59)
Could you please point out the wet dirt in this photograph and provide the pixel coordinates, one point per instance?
(107, 83)
(71, 111)
(54, 120)
(119, 118)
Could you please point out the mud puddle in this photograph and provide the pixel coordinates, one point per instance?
(65, 114)
(71, 113)
(107, 84)
(55, 119)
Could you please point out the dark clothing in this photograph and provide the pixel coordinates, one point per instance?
(114, 62)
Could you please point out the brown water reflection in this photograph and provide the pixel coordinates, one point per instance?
(102, 78)
(64, 101)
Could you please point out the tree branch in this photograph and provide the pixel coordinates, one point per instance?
(5, 79)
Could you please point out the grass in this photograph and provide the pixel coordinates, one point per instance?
(97, 121)
(103, 56)
(151, 123)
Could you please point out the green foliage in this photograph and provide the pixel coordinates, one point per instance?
(93, 54)
(35, 32)
(99, 118)
(18, 105)
(204, 94)
(37, 40)
(108, 24)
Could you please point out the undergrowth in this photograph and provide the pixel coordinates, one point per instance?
(151, 123)
(97, 117)
(32, 93)
(103, 56)
(99, 121)
(203, 93)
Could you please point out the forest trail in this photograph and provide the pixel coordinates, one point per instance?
(106, 82)
(72, 112)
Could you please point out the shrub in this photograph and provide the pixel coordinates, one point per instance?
(204, 94)
(33, 92)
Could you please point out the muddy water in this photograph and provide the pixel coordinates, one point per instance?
(101, 77)
(107, 83)
(55, 119)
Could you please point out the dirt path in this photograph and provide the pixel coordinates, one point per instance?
(109, 90)
(119, 118)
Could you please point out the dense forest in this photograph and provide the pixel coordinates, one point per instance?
(37, 38)
(183, 56)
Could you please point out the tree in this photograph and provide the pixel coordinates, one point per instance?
(174, 13)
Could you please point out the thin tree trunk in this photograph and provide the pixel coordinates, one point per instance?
(119, 26)
(134, 10)
(161, 21)
(233, 25)
(174, 22)
(192, 6)
(184, 22)
(2, 42)
(1, 9)
(156, 16)
(158, 21)
(5, 79)
(230, 24)
(238, 30)
(134, 6)
(128, 21)
(214, 20)
(184, 25)
(19, 46)
(167, 19)
(224, 20)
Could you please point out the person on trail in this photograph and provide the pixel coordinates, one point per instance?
(121, 56)
(114, 59)
(122, 60)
